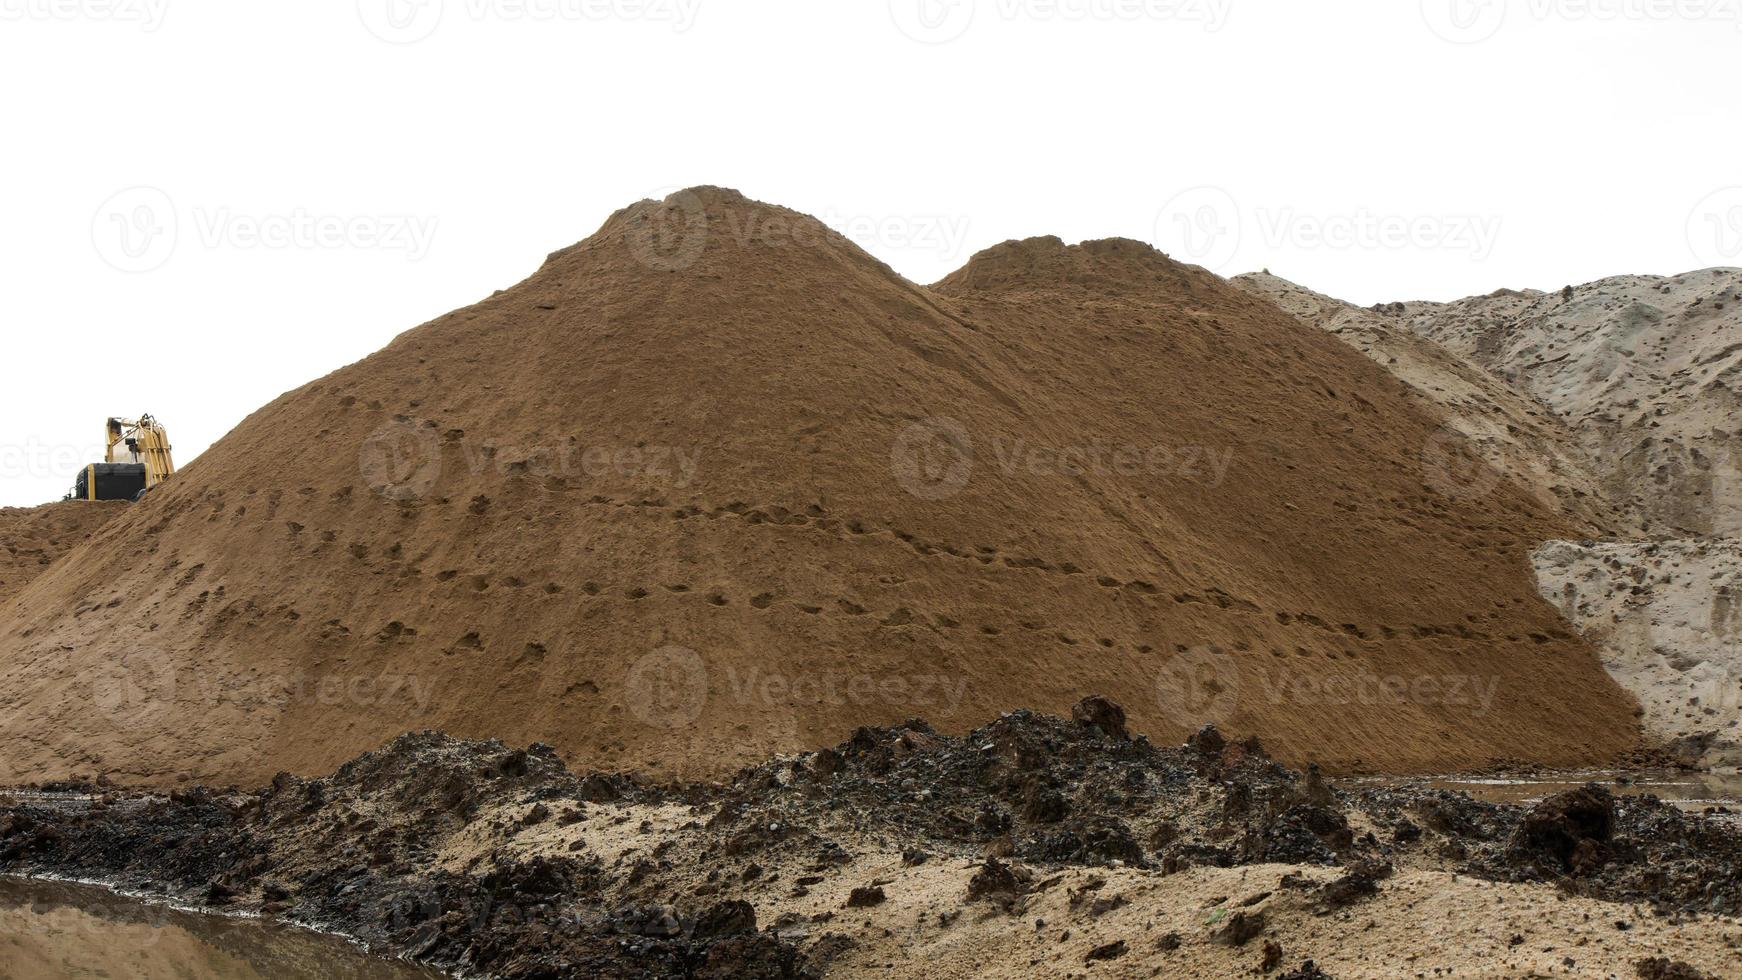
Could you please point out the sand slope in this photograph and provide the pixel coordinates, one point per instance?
(1516, 434)
(33, 538)
(715, 483)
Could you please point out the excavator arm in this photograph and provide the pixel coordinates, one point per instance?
(144, 441)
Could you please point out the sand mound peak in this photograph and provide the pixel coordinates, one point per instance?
(1119, 265)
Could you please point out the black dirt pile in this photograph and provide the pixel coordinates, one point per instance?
(482, 859)
(354, 853)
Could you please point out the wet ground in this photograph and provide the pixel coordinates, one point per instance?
(478, 857)
(55, 931)
(1695, 792)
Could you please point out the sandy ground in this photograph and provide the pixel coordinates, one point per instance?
(1422, 923)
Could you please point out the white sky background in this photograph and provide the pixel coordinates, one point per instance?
(1593, 137)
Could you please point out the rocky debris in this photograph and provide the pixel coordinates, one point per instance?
(422, 849)
(1240, 929)
(1307, 971)
(1272, 957)
(1663, 968)
(1108, 951)
(866, 897)
(1361, 882)
(1098, 712)
(1569, 832)
(998, 882)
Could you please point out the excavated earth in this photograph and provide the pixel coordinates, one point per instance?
(714, 485)
(34, 538)
(1031, 845)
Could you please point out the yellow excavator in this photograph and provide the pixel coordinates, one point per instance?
(138, 460)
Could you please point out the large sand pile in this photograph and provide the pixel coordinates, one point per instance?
(1518, 435)
(33, 538)
(715, 483)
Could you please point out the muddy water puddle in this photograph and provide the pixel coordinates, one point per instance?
(1692, 791)
(55, 931)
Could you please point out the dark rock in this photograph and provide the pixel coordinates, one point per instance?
(1241, 928)
(1098, 712)
(866, 897)
(1569, 831)
(725, 919)
(1208, 741)
(1109, 951)
(1272, 957)
(1662, 968)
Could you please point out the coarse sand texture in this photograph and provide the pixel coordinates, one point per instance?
(715, 483)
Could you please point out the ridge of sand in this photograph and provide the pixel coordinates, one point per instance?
(34, 538)
(715, 483)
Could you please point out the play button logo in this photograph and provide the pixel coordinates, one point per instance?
(932, 21)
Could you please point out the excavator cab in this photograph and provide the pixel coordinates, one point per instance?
(138, 460)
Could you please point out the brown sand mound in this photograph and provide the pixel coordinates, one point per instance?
(33, 538)
(715, 483)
